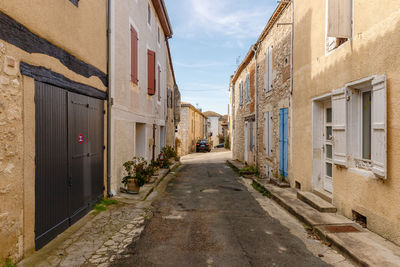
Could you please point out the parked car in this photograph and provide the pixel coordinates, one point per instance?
(203, 145)
(220, 145)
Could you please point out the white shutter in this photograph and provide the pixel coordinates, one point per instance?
(340, 18)
(266, 82)
(266, 131)
(270, 128)
(270, 78)
(339, 112)
(378, 122)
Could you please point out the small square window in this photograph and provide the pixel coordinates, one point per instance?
(329, 115)
(329, 169)
(329, 151)
(329, 133)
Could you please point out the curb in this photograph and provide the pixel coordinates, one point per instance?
(173, 167)
(321, 234)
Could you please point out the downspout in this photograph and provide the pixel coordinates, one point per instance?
(255, 49)
(109, 192)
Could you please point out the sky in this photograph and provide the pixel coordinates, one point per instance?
(210, 38)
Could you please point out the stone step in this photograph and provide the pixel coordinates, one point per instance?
(279, 183)
(316, 202)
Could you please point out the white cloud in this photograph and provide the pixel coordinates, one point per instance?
(224, 17)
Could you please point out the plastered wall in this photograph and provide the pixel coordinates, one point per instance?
(17, 107)
(372, 50)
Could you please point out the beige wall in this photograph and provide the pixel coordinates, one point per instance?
(373, 50)
(85, 38)
(133, 105)
(170, 119)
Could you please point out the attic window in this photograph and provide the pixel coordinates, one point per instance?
(75, 2)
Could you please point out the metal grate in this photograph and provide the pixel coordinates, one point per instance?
(341, 229)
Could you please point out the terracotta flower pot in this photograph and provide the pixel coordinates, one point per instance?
(132, 187)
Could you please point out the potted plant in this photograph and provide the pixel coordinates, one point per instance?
(137, 174)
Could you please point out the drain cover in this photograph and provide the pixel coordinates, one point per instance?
(341, 229)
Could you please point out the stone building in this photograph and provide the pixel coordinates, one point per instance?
(213, 124)
(53, 83)
(142, 83)
(346, 126)
(173, 104)
(243, 103)
(191, 128)
(273, 55)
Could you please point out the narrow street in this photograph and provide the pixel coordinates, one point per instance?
(209, 217)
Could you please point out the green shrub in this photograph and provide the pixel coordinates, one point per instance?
(248, 170)
(226, 143)
(9, 263)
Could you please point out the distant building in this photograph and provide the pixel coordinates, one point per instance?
(213, 127)
(191, 128)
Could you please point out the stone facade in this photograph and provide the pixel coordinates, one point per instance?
(173, 98)
(11, 157)
(279, 38)
(191, 128)
(243, 112)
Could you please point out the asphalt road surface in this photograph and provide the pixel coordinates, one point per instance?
(206, 217)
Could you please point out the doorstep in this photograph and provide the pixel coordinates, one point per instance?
(361, 245)
(316, 202)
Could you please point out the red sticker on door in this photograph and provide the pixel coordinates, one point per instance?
(80, 138)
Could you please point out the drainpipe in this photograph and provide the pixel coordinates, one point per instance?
(255, 49)
(109, 104)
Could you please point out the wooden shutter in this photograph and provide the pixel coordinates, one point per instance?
(151, 68)
(159, 83)
(379, 131)
(339, 111)
(270, 73)
(266, 81)
(252, 81)
(340, 18)
(270, 134)
(134, 56)
(240, 93)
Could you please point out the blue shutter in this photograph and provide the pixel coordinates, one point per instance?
(283, 141)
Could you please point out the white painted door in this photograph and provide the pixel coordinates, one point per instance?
(246, 141)
(327, 148)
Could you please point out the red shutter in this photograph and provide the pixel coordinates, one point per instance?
(159, 83)
(134, 56)
(151, 69)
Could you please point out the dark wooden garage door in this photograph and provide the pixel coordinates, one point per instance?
(69, 159)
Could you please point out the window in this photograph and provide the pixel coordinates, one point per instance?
(134, 56)
(151, 69)
(247, 88)
(359, 114)
(149, 14)
(268, 69)
(339, 22)
(268, 127)
(241, 93)
(159, 83)
(158, 36)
